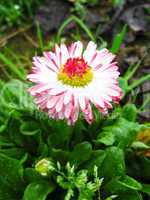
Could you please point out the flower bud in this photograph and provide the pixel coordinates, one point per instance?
(45, 166)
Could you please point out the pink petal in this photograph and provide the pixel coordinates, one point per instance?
(58, 55)
(64, 53)
(59, 104)
(50, 63)
(67, 97)
(52, 101)
(88, 112)
(89, 52)
(38, 88)
(82, 102)
(75, 50)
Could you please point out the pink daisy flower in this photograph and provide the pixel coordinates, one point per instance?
(70, 79)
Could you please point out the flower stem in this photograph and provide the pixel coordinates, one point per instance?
(99, 195)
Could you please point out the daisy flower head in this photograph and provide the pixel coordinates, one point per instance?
(70, 80)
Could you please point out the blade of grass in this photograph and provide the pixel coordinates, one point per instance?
(40, 37)
(132, 69)
(145, 103)
(6, 74)
(11, 53)
(12, 66)
(79, 22)
(138, 82)
(16, 58)
(117, 41)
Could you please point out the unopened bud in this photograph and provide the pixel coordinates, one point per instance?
(45, 166)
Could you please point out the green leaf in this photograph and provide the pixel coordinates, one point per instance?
(146, 188)
(5, 142)
(130, 182)
(3, 128)
(27, 143)
(30, 128)
(144, 164)
(38, 190)
(113, 164)
(11, 181)
(81, 153)
(106, 137)
(60, 155)
(112, 197)
(43, 150)
(11, 171)
(138, 166)
(7, 193)
(31, 175)
(96, 159)
(126, 183)
(16, 153)
(14, 133)
(78, 132)
(129, 112)
(60, 130)
(129, 195)
(117, 41)
(121, 132)
(139, 145)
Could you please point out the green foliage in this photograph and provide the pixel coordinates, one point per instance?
(13, 12)
(39, 155)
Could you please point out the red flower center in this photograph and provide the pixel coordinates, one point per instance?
(75, 72)
(75, 67)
